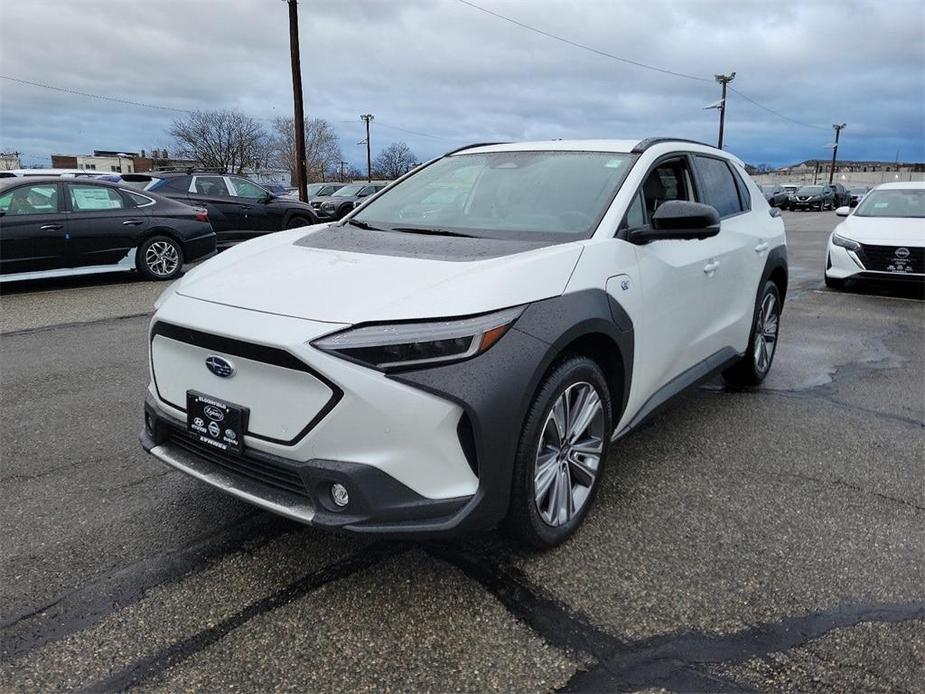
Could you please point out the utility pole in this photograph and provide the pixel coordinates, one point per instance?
(723, 80)
(342, 174)
(369, 156)
(299, 113)
(838, 129)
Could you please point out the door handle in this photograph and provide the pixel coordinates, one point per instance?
(51, 227)
(131, 222)
(711, 267)
(762, 247)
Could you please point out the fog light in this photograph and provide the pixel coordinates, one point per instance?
(339, 494)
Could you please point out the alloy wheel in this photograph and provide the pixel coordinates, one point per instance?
(162, 258)
(766, 333)
(568, 455)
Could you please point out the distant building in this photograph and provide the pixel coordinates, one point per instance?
(104, 161)
(9, 161)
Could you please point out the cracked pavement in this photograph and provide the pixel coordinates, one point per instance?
(756, 540)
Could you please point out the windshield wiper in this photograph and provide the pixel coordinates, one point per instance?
(363, 225)
(432, 232)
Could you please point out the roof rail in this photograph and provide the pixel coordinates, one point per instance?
(190, 169)
(473, 146)
(643, 145)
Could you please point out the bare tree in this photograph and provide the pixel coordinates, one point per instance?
(394, 161)
(228, 140)
(322, 150)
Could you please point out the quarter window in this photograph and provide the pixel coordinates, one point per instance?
(719, 187)
(41, 199)
(87, 198)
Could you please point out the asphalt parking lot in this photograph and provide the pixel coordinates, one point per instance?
(768, 540)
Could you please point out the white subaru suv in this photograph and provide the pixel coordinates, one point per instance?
(464, 348)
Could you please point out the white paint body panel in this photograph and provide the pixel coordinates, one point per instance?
(332, 286)
(407, 433)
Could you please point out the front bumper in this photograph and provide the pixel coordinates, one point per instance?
(807, 204)
(844, 264)
(298, 490)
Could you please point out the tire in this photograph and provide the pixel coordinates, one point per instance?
(545, 522)
(296, 222)
(762, 343)
(834, 282)
(159, 258)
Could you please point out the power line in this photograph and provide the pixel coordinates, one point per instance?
(776, 113)
(583, 46)
(94, 96)
(646, 66)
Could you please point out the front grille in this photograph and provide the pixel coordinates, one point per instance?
(884, 258)
(259, 470)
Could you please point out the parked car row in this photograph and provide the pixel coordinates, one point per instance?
(829, 196)
(53, 226)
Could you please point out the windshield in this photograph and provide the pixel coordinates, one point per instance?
(859, 190)
(504, 195)
(314, 189)
(893, 203)
(348, 191)
(810, 190)
(769, 189)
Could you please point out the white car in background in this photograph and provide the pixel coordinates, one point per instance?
(882, 239)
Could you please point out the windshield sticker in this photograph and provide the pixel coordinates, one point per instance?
(614, 163)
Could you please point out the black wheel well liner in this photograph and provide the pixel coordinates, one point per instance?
(776, 270)
(603, 350)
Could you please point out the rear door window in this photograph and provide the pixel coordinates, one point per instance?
(213, 186)
(86, 198)
(719, 185)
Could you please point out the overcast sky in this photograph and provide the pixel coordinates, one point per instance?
(455, 75)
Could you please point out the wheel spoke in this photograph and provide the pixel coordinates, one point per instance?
(564, 496)
(544, 479)
(591, 405)
(585, 472)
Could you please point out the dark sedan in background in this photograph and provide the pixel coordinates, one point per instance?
(342, 201)
(813, 198)
(53, 227)
(239, 209)
(775, 195)
(857, 194)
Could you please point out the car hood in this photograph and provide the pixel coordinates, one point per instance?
(289, 274)
(884, 231)
(280, 201)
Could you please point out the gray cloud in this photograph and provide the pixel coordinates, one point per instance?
(460, 76)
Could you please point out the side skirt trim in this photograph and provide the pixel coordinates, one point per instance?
(696, 374)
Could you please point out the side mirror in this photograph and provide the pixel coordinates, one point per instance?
(679, 219)
(843, 211)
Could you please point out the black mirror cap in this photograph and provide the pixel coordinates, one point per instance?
(680, 219)
(682, 214)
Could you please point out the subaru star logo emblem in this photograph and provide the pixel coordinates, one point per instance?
(220, 366)
(902, 253)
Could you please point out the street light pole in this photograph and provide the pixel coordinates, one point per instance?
(723, 80)
(367, 117)
(298, 110)
(838, 129)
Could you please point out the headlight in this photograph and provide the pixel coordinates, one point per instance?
(398, 345)
(845, 243)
